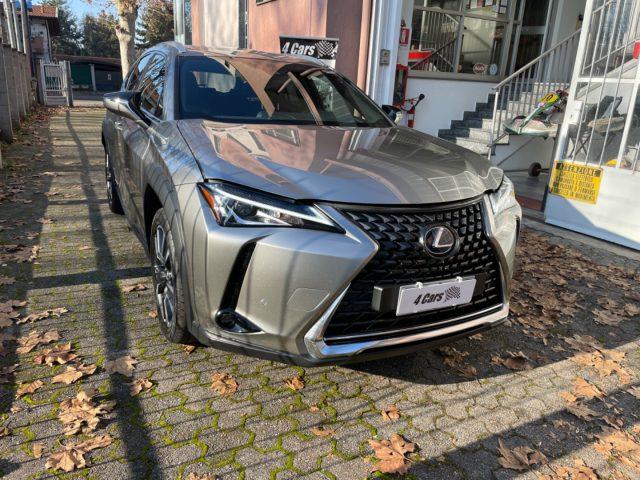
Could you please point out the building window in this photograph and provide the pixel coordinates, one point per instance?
(462, 37)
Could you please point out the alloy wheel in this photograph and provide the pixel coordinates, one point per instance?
(165, 281)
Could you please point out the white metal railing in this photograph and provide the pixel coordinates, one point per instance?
(519, 92)
(53, 76)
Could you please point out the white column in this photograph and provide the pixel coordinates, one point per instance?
(384, 35)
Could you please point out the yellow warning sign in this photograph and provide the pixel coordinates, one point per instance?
(576, 182)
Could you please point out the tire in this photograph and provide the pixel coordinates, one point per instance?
(534, 169)
(167, 282)
(113, 197)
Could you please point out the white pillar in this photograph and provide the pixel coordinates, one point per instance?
(385, 32)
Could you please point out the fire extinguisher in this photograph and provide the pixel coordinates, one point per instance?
(409, 106)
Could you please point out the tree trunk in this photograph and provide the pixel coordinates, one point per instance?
(125, 31)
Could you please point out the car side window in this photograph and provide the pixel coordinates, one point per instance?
(151, 85)
(136, 72)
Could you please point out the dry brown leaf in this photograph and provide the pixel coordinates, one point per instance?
(519, 458)
(139, 385)
(604, 317)
(390, 413)
(606, 362)
(5, 432)
(138, 287)
(204, 476)
(632, 309)
(582, 411)
(72, 455)
(451, 356)
(621, 445)
(34, 317)
(84, 247)
(37, 448)
(467, 371)
(391, 454)
(59, 354)
(295, 383)
(322, 431)
(514, 361)
(35, 338)
(635, 391)
(122, 365)
(188, 348)
(153, 313)
(81, 413)
(223, 383)
(582, 343)
(73, 373)
(579, 472)
(584, 389)
(28, 388)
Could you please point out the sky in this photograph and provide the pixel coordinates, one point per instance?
(81, 7)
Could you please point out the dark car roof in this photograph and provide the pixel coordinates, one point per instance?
(240, 53)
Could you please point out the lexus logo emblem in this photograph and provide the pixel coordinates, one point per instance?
(440, 241)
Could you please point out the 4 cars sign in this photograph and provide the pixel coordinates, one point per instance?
(324, 49)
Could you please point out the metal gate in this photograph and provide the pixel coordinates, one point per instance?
(54, 83)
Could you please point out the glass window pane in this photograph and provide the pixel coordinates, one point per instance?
(489, 8)
(433, 41)
(443, 4)
(481, 47)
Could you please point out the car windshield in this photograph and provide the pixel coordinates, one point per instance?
(263, 91)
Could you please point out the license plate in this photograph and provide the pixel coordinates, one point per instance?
(422, 297)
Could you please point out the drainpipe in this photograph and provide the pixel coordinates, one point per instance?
(26, 37)
(14, 19)
(8, 18)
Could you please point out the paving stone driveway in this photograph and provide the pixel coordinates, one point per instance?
(87, 255)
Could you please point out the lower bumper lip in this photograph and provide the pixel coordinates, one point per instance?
(317, 347)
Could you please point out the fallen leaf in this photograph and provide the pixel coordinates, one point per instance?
(467, 371)
(204, 476)
(620, 445)
(72, 455)
(122, 365)
(390, 413)
(188, 348)
(37, 448)
(514, 361)
(451, 356)
(295, 383)
(33, 317)
(224, 384)
(138, 287)
(322, 431)
(391, 454)
(579, 472)
(35, 338)
(519, 458)
(73, 373)
(584, 389)
(60, 354)
(28, 388)
(139, 385)
(44, 221)
(153, 313)
(5, 432)
(84, 247)
(582, 412)
(635, 391)
(81, 413)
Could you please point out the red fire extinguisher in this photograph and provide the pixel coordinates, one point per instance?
(409, 106)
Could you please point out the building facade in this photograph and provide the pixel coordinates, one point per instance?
(44, 25)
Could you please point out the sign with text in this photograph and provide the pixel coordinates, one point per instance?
(325, 49)
(576, 182)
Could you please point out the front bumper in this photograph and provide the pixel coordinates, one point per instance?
(288, 283)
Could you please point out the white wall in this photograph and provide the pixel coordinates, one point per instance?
(220, 23)
(445, 100)
(565, 20)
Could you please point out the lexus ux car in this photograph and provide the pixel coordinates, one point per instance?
(286, 215)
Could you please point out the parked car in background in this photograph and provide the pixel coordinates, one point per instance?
(287, 216)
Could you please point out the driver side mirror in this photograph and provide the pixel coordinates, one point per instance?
(393, 112)
(125, 104)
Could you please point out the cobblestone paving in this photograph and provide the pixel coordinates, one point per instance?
(87, 255)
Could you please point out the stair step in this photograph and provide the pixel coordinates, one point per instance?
(479, 134)
(478, 114)
(473, 145)
(483, 123)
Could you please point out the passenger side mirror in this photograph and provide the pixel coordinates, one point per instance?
(393, 112)
(125, 104)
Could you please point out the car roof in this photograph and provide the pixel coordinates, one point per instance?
(241, 53)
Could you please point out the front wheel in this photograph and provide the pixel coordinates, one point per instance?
(112, 191)
(166, 282)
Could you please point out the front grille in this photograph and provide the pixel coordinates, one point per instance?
(401, 260)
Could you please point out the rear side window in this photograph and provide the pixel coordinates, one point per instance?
(151, 86)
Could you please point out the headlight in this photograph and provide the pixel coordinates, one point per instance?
(237, 207)
(503, 198)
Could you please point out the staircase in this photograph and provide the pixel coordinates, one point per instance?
(482, 130)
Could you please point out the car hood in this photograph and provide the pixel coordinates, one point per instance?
(384, 166)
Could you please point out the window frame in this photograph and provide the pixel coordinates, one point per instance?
(512, 21)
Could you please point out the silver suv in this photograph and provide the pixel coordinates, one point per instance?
(287, 216)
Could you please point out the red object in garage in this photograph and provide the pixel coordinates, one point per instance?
(636, 50)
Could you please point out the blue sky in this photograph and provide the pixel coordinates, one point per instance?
(81, 7)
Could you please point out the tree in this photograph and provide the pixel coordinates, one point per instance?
(126, 31)
(99, 35)
(68, 42)
(156, 23)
